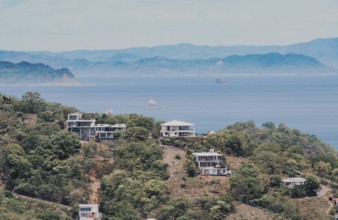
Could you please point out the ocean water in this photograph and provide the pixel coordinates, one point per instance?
(306, 103)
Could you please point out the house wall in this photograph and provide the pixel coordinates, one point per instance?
(89, 212)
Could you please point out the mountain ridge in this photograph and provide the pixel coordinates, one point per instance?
(95, 61)
(37, 73)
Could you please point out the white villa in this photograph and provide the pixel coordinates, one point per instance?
(177, 129)
(89, 212)
(107, 131)
(209, 163)
(293, 181)
(86, 129)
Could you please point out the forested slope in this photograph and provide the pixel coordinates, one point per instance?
(40, 159)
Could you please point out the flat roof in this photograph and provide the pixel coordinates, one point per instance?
(85, 205)
(177, 123)
(207, 154)
(294, 179)
(109, 125)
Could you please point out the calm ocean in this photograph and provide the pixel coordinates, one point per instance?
(307, 103)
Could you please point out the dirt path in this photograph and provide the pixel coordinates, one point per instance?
(323, 191)
(330, 206)
(95, 188)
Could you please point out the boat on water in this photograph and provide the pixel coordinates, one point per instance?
(220, 80)
(151, 103)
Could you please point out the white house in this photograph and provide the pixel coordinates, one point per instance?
(107, 131)
(293, 181)
(209, 163)
(177, 129)
(83, 127)
(336, 217)
(86, 129)
(89, 212)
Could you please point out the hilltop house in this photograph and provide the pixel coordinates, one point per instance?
(291, 182)
(86, 128)
(177, 129)
(89, 212)
(209, 163)
(107, 131)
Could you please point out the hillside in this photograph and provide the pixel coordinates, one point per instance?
(140, 175)
(29, 73)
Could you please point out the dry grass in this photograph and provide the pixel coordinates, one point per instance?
(191, 188)
(314, 208)
(245, 212)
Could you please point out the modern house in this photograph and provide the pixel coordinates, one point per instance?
(209, 163)
(177, 129)
(83, 127)
(291, 182)
(87, 130)
(89, 212)
(107, 131)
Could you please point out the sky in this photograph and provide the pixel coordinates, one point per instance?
(60, 25)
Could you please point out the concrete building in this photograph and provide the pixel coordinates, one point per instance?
(209, 163)
(177, 129)
(83, 127)
(291, 182)
(107, 131)
(87, 130)
(89, 212)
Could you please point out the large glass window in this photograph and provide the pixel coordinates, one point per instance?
(86, 209)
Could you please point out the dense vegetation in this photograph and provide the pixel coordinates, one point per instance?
(40, 159)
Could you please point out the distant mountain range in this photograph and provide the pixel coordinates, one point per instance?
(248, 64)
(28, 73)
(317, 56)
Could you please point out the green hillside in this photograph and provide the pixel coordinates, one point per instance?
(43, 165)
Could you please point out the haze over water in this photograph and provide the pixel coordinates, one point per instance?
(306, 103)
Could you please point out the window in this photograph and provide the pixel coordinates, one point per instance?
(102, 135)
(86, 209)
(73, 117)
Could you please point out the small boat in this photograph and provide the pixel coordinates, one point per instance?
(151, 103)
(220, 80)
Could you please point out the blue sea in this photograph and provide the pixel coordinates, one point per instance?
(306, 103)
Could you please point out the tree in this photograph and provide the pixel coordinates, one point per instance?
(220, 210)
(298, 191)
(269, 125)
(14, 164)
(334, 175)
(236, 143)
(136, 134)
(32, 103)
(323, 169)
(268, 161)
(63, 144)
(311, 185)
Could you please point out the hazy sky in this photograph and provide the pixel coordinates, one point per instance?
(108, 24)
